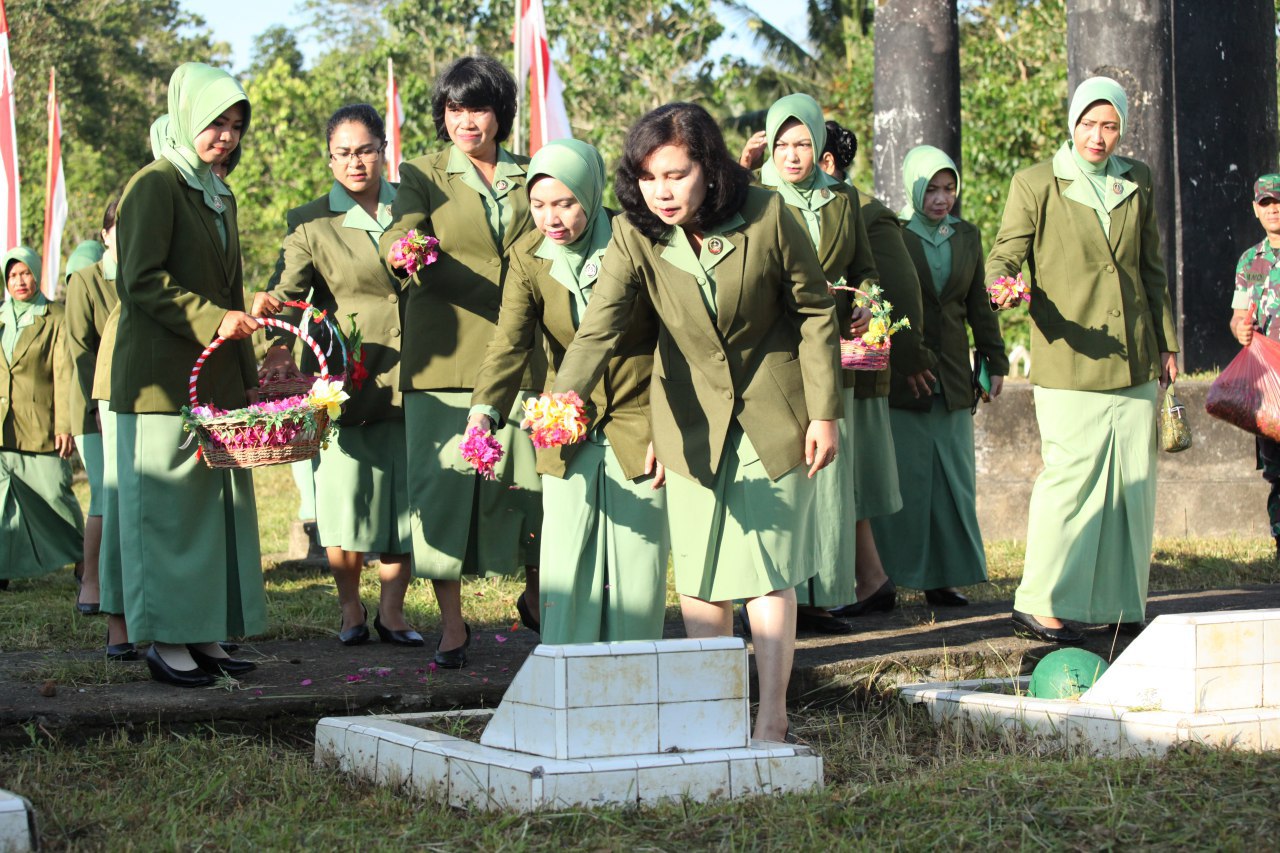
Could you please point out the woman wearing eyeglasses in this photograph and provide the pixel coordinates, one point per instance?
(331, 251)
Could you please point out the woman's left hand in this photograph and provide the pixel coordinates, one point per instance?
(859, 321)
(820, 445)
(1168, 368)
(654, 467)
(997, 385)
(65, 445)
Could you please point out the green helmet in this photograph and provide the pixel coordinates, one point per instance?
(1065, 674)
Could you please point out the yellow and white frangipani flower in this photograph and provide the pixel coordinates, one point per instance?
(328, 394)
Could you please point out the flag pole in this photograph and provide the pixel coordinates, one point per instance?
(10, 208)
(517, 138)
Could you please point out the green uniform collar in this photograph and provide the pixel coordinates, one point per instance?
(715, 246)
(504, 173)
(1104, 191)
(109, 267)
(340, 201)
(931, 232)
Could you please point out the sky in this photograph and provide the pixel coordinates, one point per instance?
(238, 21)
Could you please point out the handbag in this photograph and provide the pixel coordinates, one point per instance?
(981, 379)
(1175, 430)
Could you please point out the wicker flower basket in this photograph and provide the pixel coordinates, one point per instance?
(857, 355)
(278, 389)
(249, 438)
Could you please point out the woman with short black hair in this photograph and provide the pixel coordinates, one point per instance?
(745, 394)
(472, 198)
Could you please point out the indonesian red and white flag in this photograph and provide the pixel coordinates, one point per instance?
(548, 119)
(55, 199)
(10, 209)
(394, 121)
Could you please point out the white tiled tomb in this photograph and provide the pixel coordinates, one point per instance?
(587, 724)
(17, 824)
(1208, 678)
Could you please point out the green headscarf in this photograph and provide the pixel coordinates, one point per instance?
(198, 94)
(579, 167)
(87, 253)
(918, 168)
(159, 130)
(1100, 186)
(811, 193)
(16, 315)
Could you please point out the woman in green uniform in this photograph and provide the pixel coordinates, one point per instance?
(603, 574)
(42, 528)
(1102, 336)
(746, 392)
(331, 251)
(81, 274)
(471, 197)
(192, 573)
(876, 485)
(794, 135)
(934, 543)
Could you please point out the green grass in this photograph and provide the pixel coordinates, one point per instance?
(893, 780)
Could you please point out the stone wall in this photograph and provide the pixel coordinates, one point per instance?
(1212, 489)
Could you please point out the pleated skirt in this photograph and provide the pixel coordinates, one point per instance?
(745, 535)
(1092, 512)
(605, 544)
(89, 446)
(934, 541)
(191, 568)
(41, 524)
(462, 523)
(362, 490)
(835, 519)
(875, 474)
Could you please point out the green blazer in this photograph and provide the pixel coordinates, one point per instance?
(451, 306)
(901, 285)
(963, 299)
(342, 268)
(532, 299)
(176, 282)
(1100, 311)
(90, 300)
(768, 360)
(106, 350)
(35, 388)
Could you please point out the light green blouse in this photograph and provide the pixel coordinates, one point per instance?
(496, 210)
(340, 201)
(715, 248)
(935, 239)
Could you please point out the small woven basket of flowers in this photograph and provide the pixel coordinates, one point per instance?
(272, 432)
(870, 350)
(328, 338)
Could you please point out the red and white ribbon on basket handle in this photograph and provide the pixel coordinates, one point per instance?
(266, 321)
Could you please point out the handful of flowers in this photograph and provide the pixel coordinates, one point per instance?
(554, 420)
(482, 451)
(883, 326)
(416, 250)
(1004, 287)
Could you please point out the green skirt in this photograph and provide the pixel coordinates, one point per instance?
(604, 552)
(1092, 512)
(746, 535)
(362, 490)
(875, 475)
(304, 479)
(188, 538)
(41, 526)
(835, 523)
(109, 572)
(90, 447)
(462, 523)
(934, 541)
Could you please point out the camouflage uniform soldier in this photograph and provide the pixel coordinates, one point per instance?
(1255, 305)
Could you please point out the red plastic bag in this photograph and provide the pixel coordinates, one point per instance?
(1247, 392)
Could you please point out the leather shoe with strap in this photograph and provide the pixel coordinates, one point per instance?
(1027, 626)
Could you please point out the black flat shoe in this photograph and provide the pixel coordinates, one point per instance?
(120, 651)
(229, 648)
(400, 638)
(85, 608)
(945, 598)
(527, 618)
(821, 624)
(454, 658)
(1027, 626)
(1129, 629)
(162, 672)
(882, 600)
(221, 666)
(357, 634)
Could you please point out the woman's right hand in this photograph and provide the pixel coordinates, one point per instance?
(396, 263)
(264, 304)
(237, 325)
(484, 422)
(753, 152)
(921, 384)
(1009, 300)
(278, 364)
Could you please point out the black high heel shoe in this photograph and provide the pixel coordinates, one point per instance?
(527, 618)
(454, 658)
(356, 634)
(882, 600)
(120, 651)
(84, 608)
(162, 672)
(1029, 627)
(400, 638)
(221, 666)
